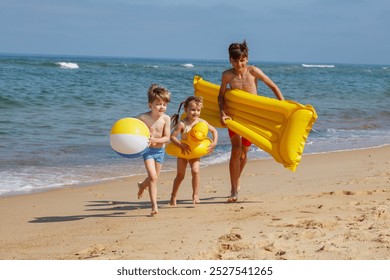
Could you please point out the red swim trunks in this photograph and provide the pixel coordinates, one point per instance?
(244, 141)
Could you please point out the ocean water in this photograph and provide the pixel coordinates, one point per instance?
(56, 112)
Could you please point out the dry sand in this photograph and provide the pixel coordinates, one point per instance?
(335, 206)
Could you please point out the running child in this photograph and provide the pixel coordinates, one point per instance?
(159, 125)
(192, 107)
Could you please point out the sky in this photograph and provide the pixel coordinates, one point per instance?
(307, 31)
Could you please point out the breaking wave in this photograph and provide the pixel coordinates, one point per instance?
(68, 65)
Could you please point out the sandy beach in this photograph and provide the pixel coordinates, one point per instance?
(335, 206)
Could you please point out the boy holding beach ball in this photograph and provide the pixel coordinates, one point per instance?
(159, 125)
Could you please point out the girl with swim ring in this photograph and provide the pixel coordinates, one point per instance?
(192, 107)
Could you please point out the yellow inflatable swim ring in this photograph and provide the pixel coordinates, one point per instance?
(197, 141)
(280, 128)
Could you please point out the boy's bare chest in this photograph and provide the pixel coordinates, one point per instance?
(157, 127)
(245, 82)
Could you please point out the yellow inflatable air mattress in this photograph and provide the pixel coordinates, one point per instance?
(280, 128)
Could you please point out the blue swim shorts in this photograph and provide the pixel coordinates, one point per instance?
(154, 153)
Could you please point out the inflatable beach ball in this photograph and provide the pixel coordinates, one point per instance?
(129, 137)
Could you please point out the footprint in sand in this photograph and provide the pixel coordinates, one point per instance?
(343, 192)
(348, 193)
(210, 189)
(91, 252)
(230, 237)
(381, 213)
(230, 243)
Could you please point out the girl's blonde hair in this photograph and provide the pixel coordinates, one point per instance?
(197, 99)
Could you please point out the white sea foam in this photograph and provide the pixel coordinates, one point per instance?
(188, 65)
(68, 65)
(318, 65)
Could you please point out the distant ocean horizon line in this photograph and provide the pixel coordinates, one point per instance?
(251, 61)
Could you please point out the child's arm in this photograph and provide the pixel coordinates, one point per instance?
(184, 147)
(214, 133)
(167, 129)
(221, 98)
(141, 117)
(144, 118)
(266, 80)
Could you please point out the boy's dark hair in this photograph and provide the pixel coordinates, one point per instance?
(238, 50)
(197, 99)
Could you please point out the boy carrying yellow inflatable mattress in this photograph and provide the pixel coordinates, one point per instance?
(280, 128)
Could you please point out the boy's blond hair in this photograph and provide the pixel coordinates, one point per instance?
(155, 91)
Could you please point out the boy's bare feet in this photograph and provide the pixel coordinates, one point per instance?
(172, 201)
(154, 212)
(233, 198)
(140, 193)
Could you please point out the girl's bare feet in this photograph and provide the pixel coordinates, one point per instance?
(195, 199)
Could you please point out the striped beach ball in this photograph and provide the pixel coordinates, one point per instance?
(129, 137)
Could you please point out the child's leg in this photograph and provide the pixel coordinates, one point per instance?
(142, 186)
(237, 163)
(180, 174)
(195, 172)
(234, 164)
(243, 161)
(153, 168)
